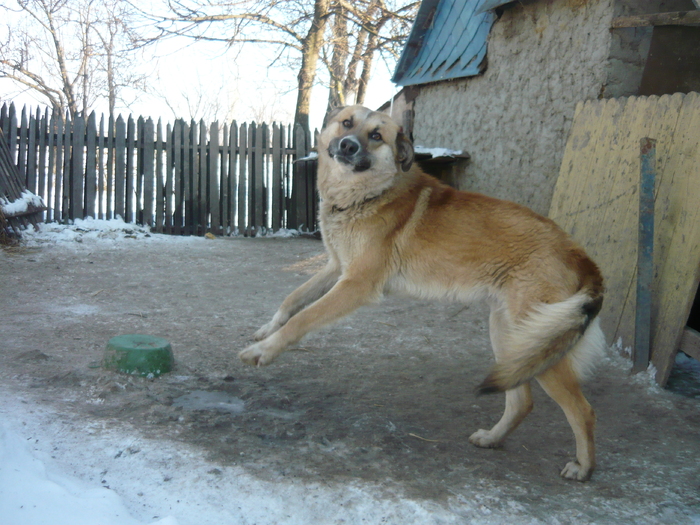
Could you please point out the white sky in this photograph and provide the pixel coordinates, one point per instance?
(239, 76)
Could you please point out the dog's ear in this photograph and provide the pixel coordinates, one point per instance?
(330, 115)
(405, 154)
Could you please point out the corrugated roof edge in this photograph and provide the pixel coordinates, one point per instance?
(424, 19)
(408, 72)
(491, 4)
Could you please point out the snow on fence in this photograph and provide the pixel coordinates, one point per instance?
(187, 178)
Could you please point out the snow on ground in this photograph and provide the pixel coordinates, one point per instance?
(47, 462)
(58, 469)
(45, 479)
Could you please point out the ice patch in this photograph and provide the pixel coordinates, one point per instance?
(211, 400)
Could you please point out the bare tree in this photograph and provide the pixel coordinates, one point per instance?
(71, 52)
(376, 26)
(299, 30)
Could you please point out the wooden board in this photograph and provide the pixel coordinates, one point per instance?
(596, 200)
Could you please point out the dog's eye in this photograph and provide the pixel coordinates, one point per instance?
(375, 135)
(347, 123)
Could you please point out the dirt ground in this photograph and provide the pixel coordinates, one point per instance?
(383, 397)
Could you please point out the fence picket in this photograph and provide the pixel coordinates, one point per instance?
(120, 168)
(243, 180)
(232, 177)
(159, 189)
(185, 178)
(111, 141)
(90, 167)
(224, 182)
(130, 191)
(148, 172)
(101, 169)
(213, 182)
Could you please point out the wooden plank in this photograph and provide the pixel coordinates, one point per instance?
(110, 181)
(260, 203)
(22, 139)
(173, 183)
(277, 188)
(120, 168)
(252, 179)
(77, 172)
(51, 152)
(11, 136)
(5, 119)
(43, 172)
(160, 180)
(58, 178)
(224, 182)
(67, 168)
(690, 343)
(101, 146)
(598, 184)
(176, 177)
(32, 181)
(678, 267)
(213, 182)
(298, 204)
(243, 180)
(90, 166)
(233, 177)
(203, 220)
(129, 175)
(148, 141)
(190, 177)
(595, 200)
(678, 18)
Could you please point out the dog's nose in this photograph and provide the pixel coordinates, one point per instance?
(349, 146)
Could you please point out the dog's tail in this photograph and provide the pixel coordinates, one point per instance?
(545, 336)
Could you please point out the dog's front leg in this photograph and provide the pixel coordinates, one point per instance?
(306, 294)
(348, 294)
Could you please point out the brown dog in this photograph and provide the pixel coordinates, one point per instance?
(388, 227)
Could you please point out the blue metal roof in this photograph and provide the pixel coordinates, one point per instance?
(448, 40)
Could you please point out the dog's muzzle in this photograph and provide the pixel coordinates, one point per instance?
(349, 150)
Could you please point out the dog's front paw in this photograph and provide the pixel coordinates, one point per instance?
(257, 355)
(573, 470)
(266, 330)
(484, 439)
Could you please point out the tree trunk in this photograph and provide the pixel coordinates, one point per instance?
(311, 49)
(366, 68)
(336, 93)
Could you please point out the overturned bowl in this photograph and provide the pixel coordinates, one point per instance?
(138, 354)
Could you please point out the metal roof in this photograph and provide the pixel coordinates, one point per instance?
(448, 40)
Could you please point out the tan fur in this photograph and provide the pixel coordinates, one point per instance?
(388, 227)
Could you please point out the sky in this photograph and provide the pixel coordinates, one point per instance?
(242, 76)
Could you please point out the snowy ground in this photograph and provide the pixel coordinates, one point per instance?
(367, 424)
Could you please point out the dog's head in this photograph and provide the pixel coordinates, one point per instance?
(363, 139)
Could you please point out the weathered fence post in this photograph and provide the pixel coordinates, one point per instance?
(90, 192)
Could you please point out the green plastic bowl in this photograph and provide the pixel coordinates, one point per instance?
(137, 354)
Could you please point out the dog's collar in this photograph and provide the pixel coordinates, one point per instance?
(338, 209)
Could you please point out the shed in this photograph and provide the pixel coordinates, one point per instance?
(500, 80)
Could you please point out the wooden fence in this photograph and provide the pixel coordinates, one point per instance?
(187, 178)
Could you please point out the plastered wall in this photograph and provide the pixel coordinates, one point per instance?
(514, 119)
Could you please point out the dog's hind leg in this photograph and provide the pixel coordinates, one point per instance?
(306, 294)
(518, 400)
(562, 385)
